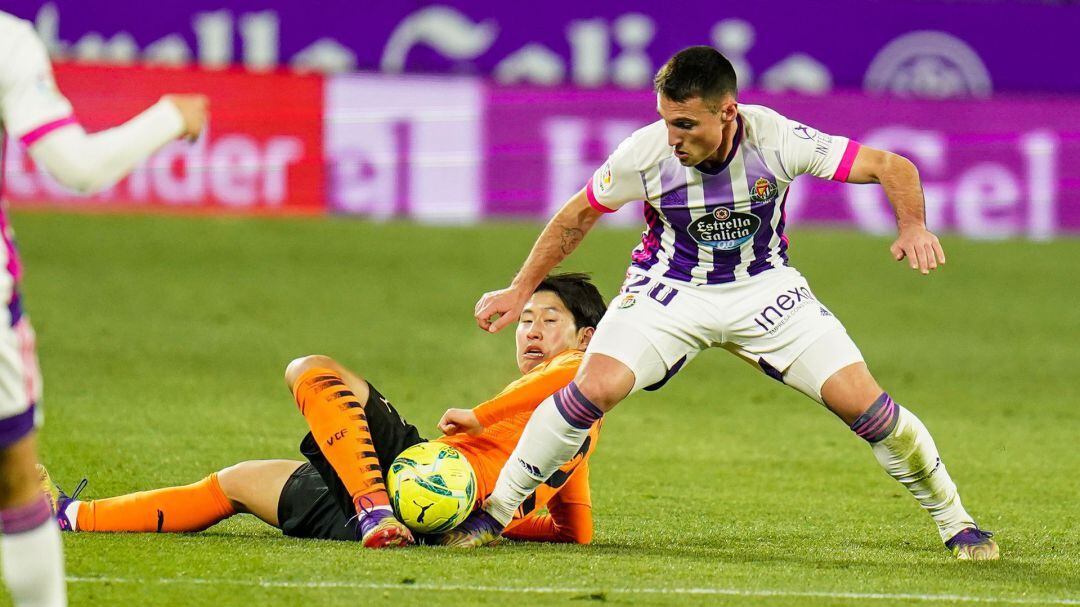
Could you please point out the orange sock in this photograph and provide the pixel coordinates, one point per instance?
(338, 423)
(173, 509)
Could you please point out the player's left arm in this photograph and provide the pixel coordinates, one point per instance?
(899, 178)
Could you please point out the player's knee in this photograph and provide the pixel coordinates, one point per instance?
(234, 483)
(603, 391)
(850, 392)
(302, 365)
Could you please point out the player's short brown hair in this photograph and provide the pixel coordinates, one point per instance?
(579, 295)
(698, 71)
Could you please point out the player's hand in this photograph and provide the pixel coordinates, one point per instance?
(496, 309)
(195, 111)
(921, 248)
(459, 421)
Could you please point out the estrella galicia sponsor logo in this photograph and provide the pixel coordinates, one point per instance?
(763, 191)
(724, 229)
(782, 307)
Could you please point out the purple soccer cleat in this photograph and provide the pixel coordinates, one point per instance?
(480, 529)
(973, 544)
(379, 528)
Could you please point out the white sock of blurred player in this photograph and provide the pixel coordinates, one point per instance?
(904, 448)
(33, 559)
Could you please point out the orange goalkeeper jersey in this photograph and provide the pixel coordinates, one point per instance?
(566, 494)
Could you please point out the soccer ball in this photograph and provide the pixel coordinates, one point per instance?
(432, 487)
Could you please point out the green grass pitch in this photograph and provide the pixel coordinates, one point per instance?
(163, 341)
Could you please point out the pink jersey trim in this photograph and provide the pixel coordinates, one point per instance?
(33, 136)
(847, 161)
(593, 202)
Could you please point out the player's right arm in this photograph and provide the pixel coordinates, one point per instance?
(560, 237)
(614, 184)
(35, 112)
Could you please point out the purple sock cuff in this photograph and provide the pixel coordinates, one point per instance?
(879, 420)
(575, 408)
(14, 428)
(25, 518)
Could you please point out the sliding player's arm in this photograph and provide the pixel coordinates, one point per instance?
(569, 517)
(36, 113)
(523, 395)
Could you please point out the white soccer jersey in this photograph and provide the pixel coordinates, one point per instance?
(711, 228)
(30, 107)
(29, 99)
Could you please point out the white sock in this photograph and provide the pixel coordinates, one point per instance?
(71, 513)
(33, 558)
(907, 452)
(555, 432)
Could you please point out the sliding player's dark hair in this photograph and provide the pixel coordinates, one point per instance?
(698, 71)
(579, 295)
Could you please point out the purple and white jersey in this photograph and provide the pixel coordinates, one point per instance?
(705, 228)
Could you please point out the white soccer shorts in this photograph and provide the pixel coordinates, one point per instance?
(656, 326)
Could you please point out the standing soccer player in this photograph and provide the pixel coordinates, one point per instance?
(34, 112)
(712, 269)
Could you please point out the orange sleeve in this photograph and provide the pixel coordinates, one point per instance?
(526, 393)
(569, 518)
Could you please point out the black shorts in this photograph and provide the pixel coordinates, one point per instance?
(314, 502)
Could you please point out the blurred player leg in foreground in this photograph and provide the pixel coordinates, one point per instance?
(33, 111)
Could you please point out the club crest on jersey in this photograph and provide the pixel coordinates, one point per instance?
(763, 191)
(628, 300)
(724, 229)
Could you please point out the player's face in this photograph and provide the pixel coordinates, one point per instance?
(546, 328)
(695, 128)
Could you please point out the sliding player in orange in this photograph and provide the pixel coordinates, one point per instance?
(355, 435)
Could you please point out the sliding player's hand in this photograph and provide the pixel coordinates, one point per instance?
(921, 248)
(195, 110)
(460, 421)
(496, 309)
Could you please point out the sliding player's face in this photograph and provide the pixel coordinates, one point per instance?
(546, 328)
(696, 128)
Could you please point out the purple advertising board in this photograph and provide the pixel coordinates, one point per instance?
(922, 48)
(460, 149)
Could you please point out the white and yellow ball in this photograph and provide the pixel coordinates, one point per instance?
(432, 487)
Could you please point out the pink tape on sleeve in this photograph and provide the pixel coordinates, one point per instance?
(847, 161)
(33, 136)
(593, 201)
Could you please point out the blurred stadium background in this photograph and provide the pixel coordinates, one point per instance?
(449, 131)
